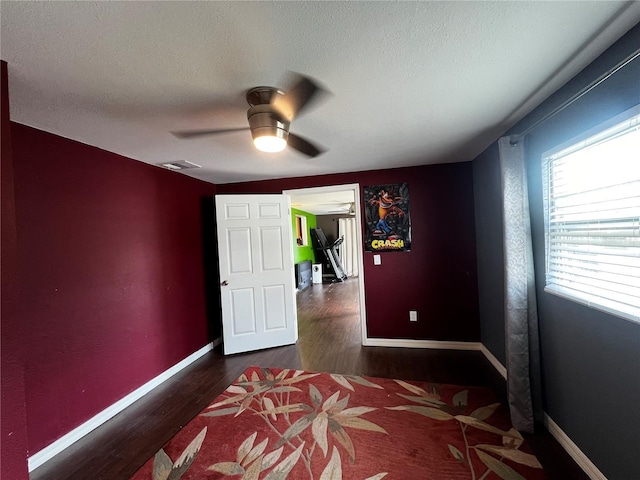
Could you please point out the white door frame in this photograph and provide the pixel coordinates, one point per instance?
(355, 187)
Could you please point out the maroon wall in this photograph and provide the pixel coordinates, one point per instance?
(13, 440)
(438, 277)
(111, 274)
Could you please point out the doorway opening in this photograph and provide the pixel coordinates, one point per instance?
(337, 209)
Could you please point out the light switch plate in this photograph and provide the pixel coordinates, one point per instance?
(377, 260)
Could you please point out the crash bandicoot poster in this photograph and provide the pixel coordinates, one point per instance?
(388, 224)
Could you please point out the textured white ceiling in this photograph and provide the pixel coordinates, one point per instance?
(413, 83)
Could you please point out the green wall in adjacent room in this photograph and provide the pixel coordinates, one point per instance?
(302, 253)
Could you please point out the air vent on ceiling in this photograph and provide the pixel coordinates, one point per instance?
(180, 165)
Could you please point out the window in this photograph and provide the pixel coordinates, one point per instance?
(302, 238)
(592, 217)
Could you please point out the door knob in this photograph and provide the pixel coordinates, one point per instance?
(224, 283)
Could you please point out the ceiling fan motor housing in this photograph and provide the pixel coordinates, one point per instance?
(265, 121)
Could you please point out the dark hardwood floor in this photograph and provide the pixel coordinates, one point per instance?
(330, 341)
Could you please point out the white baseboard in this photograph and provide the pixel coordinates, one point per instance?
(405, 343)
(572, 449)
(77, 433)
(445, 345)
(563, 439)
(502, 370)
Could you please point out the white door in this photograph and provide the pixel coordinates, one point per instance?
(257, 286)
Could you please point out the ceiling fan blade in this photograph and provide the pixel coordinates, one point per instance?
(201, 133)
(303, 146)
(297, 97)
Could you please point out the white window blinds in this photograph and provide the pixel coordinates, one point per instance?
(592, 219)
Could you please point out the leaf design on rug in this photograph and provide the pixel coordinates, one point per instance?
(460, 400)
(267, 395)
(253, 472)
(319, 430)
(419, 391)
(503, 471)
(441, 411)
(332, 409)
(364, 382)
(512, 454)
(325, 416)
(251, 461)
(344, 381)
(425, 400)
(227, 468)
(221, 413)
(423, 397)
(333, 416)
(165, 469)
(333, 470)
(274, 411)
(247, 391)
(281, 471)
(483, 413)
(297, 428)
(429, 412)
(480, 425)
(316, 396)
(457, 454)
(255, 453)
(343, 438)
(514, 440)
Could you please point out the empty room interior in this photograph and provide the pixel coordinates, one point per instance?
(322, 240)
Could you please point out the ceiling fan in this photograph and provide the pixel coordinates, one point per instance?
(271, 111)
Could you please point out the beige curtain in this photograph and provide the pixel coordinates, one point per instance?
(348, 249)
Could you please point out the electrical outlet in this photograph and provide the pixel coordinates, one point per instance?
(413, 315)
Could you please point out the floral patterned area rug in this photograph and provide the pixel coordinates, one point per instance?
(273, 424)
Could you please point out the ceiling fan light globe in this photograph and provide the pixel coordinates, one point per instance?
(270, 144)
(268, 130)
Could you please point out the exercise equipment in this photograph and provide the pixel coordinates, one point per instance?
(333, 266)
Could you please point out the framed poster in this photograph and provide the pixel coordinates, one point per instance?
(388, 223)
